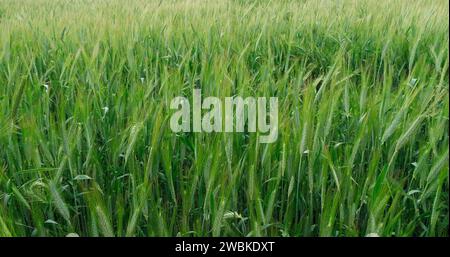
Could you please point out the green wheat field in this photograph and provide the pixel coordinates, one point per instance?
(85, 143)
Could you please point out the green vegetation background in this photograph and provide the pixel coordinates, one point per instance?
(85, 143)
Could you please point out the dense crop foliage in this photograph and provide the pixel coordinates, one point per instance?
(85, 143)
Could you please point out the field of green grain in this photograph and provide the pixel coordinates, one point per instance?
(85, 143)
